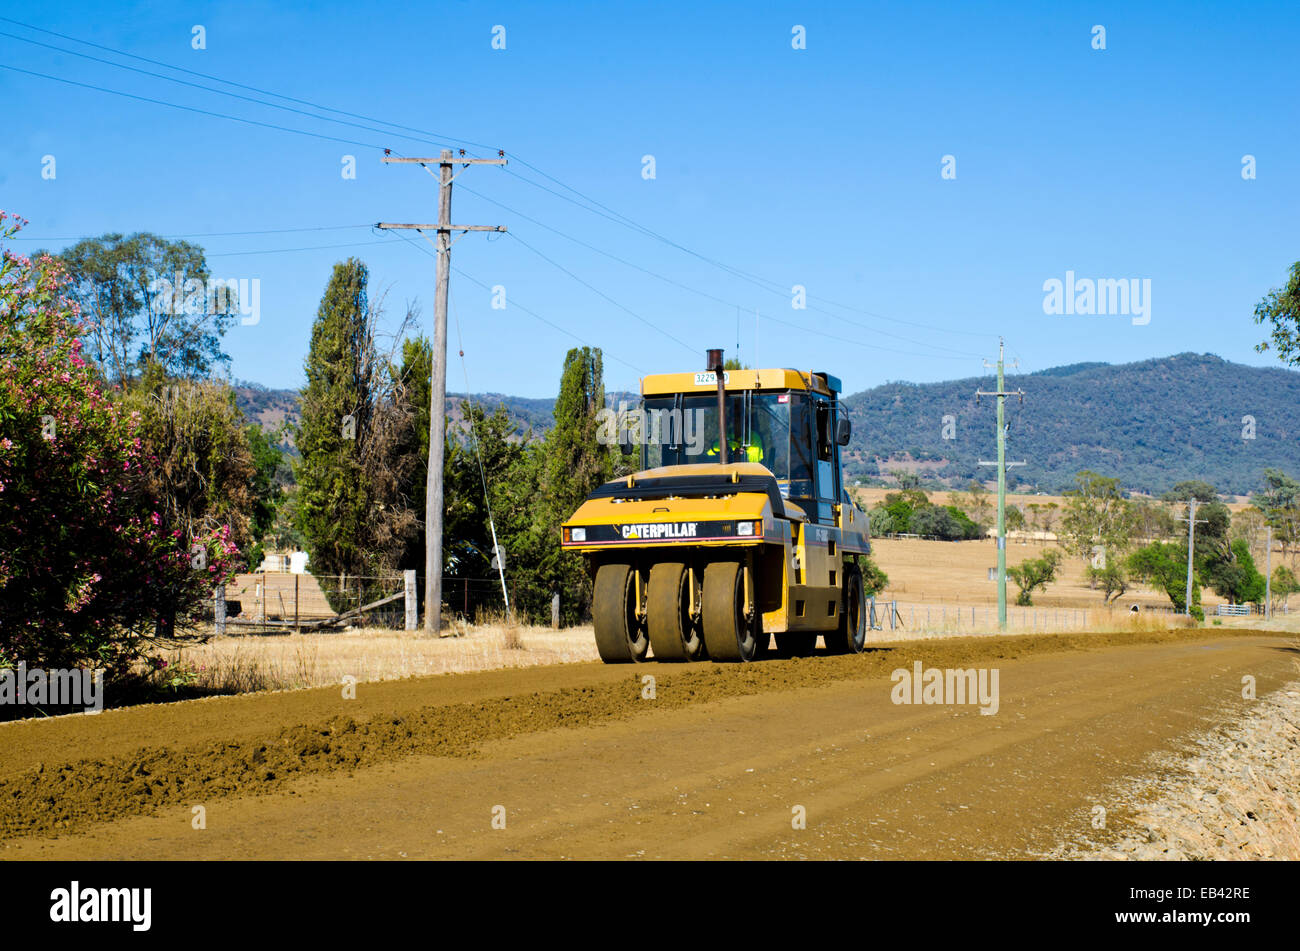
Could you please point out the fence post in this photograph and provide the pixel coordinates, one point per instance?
(219, 610)
(412, 607)
(555, 611)
(297, 612)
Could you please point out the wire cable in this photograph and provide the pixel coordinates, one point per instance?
(487, 501)
(212, 234)
(203, 112)
(602, 294)
(593, 206)
(228, 82)
(473, 280)
(686, 287)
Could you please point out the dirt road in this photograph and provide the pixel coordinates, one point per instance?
(576, 763)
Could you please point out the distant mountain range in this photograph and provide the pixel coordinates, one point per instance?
(269, 408)
(1151, 424)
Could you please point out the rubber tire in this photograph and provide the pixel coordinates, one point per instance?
(851, 636)
(796, 643)
(620, 638)
(727, 635)
(673, 636)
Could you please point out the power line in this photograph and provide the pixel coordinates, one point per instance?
(433, 499)
(228, 82)
(764, 283)
(694, 290)
(203, 112)
(856, 343)
(314, 247)
(531, 313)
(219, 92)
(1001, 394)
(211, 234)
(498, 554)
(599, 209)
(602, 294)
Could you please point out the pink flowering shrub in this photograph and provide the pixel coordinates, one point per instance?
(88, 571)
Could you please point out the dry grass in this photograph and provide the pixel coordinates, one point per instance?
(956, 573)
(1116, 619)
(290, 661)
(511, 638)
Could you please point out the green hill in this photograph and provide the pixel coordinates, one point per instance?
(1151, 424)
(269, 408)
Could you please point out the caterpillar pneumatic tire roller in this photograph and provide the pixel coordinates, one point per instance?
(736, 528)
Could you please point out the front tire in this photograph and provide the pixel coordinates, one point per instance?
(620, 634)
(673, 633)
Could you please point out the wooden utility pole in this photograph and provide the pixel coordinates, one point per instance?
(438, 384)
(1268, 576)
(1191, 521)
(1002, 465)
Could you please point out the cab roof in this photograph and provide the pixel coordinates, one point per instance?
(666, 384)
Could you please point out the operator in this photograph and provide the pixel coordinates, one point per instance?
(736, 452)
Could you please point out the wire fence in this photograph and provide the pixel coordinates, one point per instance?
(284, 602)
(925, 618)
(935, 617)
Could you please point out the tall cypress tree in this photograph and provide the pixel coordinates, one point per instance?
(333, 500)
(576, 463)
(412, 382)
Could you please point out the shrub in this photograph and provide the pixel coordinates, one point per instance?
(1034, 573)
(87, 574)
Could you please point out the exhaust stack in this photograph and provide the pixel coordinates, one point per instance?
(715, 365)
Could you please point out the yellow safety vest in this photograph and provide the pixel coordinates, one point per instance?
(753, 453)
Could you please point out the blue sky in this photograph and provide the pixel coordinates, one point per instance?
(818, 167)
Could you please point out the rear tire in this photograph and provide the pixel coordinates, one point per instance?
(673, 634)
(851, 636)
(620, 635)
(728, 633)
